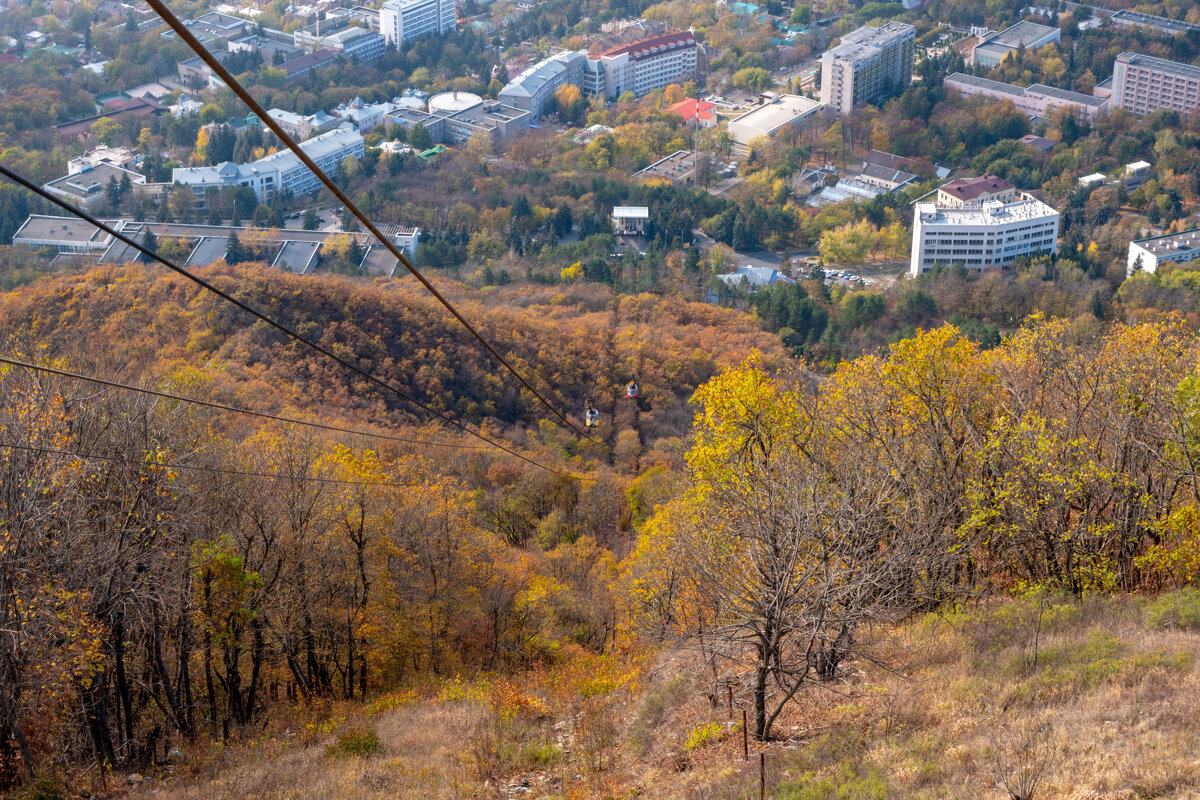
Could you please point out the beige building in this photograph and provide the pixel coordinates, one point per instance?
(1142, 84)
(1037, 100)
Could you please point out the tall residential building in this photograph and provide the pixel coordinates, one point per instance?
(401, 21)
(532, 89)
(982, 235)
(1142, 84)
(641, 67)
(868, 66)
(1037, 100)
(280, 172)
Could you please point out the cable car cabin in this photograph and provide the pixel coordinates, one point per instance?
(631, 391)
(591, 418)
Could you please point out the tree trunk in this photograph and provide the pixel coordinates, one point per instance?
(123, 695)
(761, 673)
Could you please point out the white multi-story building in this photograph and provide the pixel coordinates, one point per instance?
(1175, 248)
(868, 66)
(987, 235)
(532, 89)
(401, 21)
(280, 172)
(641, 67)
(1142, 84)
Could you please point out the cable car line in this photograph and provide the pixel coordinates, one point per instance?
(40, 192)
(221, 406)
(217, 67)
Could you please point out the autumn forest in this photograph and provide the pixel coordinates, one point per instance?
(176, 574)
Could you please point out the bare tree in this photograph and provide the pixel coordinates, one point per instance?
(1023, 757)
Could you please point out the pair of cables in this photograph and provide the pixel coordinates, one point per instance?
(218, 68)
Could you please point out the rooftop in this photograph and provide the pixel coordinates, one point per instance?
(1067, 96)
(755, 276)
(1138, 18)
(867, 41)
(887, 174)
(63, 229)
(649, 47)
(689, 108)
(92, 180)
(968, 189)
(1162, 64)
(1038, 142)
(631, 212)
(882, 159)
(1023, 34)
(985, 214)
(1171, 242)
(675, 166)
(770, 116)
(985, 83)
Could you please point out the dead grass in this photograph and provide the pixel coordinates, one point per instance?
(1114, 694)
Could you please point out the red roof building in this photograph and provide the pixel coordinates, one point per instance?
(642, 66)
(970, 191)
(698, 113)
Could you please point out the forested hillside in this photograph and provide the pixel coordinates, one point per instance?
(176, 576)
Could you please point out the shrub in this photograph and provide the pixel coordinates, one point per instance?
(356, 742)
(1179, 610)
(655, 705)
(704, 734)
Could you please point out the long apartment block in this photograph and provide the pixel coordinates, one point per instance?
(1037, 100)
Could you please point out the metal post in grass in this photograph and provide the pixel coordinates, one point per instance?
(762, 776)
(730, 688)
(745, 738)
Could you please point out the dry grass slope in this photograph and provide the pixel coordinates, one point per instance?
(1104, 695)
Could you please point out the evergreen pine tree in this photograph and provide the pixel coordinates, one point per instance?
(354, 254)
(150, 242)
(235, 252)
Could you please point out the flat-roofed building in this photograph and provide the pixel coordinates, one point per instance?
(280, 172)
(1126, 18)
(982, 235)
(642, 66)
(678, 169)
(87, 188)
(994, 48)
(1173, 248)
(341, 34)
(869, 66)
(215, 28)
(113, 156)
(401, 21)
(780, 112)
(630, 220)
(69, 235)
(1037, 100)
(1142, 84)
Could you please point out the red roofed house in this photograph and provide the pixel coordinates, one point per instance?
(697, 113)
(975, 191)
(641, 67)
